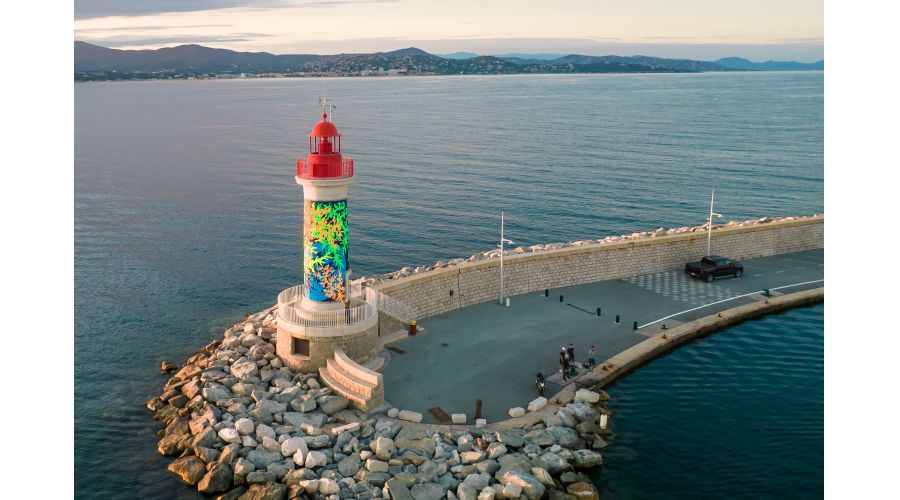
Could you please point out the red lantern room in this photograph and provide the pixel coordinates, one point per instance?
(325, 160)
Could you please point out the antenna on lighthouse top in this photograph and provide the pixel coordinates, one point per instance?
(327, 107)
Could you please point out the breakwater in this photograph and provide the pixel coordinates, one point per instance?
(243, 425)
(462, 282)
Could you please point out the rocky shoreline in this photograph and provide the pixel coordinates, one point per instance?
(243, 426)
(490, 254)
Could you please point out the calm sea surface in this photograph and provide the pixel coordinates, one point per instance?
(187, 216)
(735, 415)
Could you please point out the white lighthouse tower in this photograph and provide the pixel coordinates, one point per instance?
(324, 324)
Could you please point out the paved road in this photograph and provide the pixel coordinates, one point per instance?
(492, 352)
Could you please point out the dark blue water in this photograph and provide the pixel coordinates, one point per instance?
(187, 215)
(735, 415)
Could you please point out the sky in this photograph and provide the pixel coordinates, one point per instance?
(698, 29)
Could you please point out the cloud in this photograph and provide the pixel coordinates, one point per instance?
(150, 28)
(87, 9)
(138, 41)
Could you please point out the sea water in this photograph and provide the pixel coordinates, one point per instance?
(187, 215)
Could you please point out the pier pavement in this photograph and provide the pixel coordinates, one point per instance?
(492, 352)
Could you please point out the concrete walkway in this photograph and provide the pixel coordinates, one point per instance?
(491, 352)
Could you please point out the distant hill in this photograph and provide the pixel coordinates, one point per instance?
(93, 62)
(740, 63)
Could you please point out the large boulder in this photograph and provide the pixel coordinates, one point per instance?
(304, 404)
(554, 463)
(172, 444)
(583, 490)
(513, 462)
(383, 447)
(263, 430)
(213, 393)
(260, 476)
(329, 486)
(293, 445)
(587, 458)
(415, 441)
(543, 476)
(230, 435)
(348, 466)
(244, 426)
(332, 404)
(410, 416)
(531, 487)
(189, 469)
(540, 437)
(315, 459)
(261, 458)
(297, 419)
(244, 368)
(376, 465)
(495, 450)
(217, 480)
(511, 437)
(205, 438)
(587, 396)
(566, 437)
(428, 491)
(398, 490)
(471, 457)
(265, 491)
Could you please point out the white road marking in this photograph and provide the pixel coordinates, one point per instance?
(726, 300)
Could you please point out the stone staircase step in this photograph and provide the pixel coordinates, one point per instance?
(341, 389)
(347, 379)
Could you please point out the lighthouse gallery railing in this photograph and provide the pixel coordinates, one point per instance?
(326, 167)
(289, 310)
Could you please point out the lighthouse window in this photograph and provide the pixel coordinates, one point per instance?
(300, 347)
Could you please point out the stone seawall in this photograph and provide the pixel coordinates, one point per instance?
(476, 280)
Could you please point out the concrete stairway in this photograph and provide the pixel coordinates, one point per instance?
(362, 386)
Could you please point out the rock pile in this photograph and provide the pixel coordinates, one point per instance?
(490, 254)
(243, 426)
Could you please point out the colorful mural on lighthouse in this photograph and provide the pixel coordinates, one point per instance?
(325, 249)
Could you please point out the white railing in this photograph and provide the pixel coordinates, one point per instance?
(391, 306)
(289, 311)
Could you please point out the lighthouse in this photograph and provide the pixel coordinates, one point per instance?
(325, 176)
(324, 324)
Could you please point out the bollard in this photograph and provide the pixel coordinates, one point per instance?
(560, 298)
(546, 292)
(477, 409)
(412, 328)
(603, 419)
(617, 319)
(507, 302)
(598, 312)
(634, 327)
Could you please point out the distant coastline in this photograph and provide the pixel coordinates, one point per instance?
(186, 62)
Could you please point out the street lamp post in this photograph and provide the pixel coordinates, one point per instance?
(502, 242)
(712, 200)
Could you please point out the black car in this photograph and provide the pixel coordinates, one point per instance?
(714, 266)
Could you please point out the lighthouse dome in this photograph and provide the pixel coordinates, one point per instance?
(324, 128)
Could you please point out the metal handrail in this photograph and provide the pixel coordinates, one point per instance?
(326, 167)
(391, 306)
(289, 310)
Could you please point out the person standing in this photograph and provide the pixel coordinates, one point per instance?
(571, 353)
(564, 363)
(591, 355)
